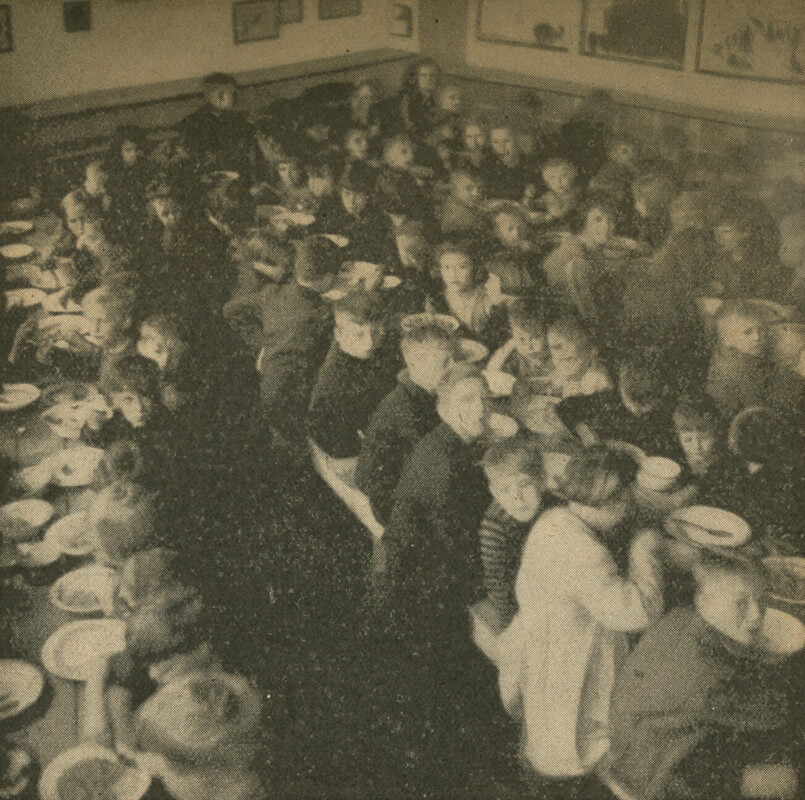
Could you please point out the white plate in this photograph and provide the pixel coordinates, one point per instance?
(24, 298)
(794, 568)
(72, 534)
(16, 227)
(300, 218)
(783, 634)
(14, 252)
(712, 527)
(445, 321)
(391, 282)
(502, 425)
(473, 351)
(23, 682)
(336, 239)
(76, 466)
(39, 554)
(137, 781)
(73, 647)
(18, 395)
(500, 383)
(35, 513)
(96, 581)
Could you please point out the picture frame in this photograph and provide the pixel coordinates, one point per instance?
(739, 39)
(77, 16)
(633, 30)
(402, 20)
(544, 25)
(335, 9)
(291, 11)
(255, 20)
(6, 36)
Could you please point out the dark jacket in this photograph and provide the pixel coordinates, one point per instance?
(223, 140)
(346, 393)
(401, 419)
(433, 554)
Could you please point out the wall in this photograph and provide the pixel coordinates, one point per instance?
(687, 93)
(156, 44)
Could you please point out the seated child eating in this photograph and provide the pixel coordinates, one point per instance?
(559, 203)
(703, 708)
(460, 212)
(475, 151)
(526, 354)
(509, 173)
(404, 415)
(513, 468)
(109, 314)
(618, 171)
(353, 378)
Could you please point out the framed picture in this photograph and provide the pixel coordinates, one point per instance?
(77, 16)
(291, 11)
(545, 24)
(6, 40)
(402, 20)
(332, 9)
(745, 39)
(651, 31)
(255, 20)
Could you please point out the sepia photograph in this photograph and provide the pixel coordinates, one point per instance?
(402, 400)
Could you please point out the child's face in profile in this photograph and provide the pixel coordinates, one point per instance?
(503, 144)
(742, 333)
(466, 190)
(529, 345)
(570, 356)
(129, 152)
(734, 606)
(427, 79)
(357, 145)
(400, 156)
(132, 406)
(354, 202)
(357, 339)
(412, 250)
(599, 226)
(559, 178)
(450, 100)
(699, 447)
(288, 173)
(101, 327)
(75, 219)
(221, 98)
(509, 229)
(456, 271)
(474, 138)
(517, 492)
(95, 180)
(465, 408)
(427, 363)
(157, 348)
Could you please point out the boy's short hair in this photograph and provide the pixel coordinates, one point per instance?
(570, 326)
(711, 565)
(319, 168)
(556, 161)
(131, 133)
(218, 79)
(365, 308)
(65, 391)
(528, 317)
(510, 209)
(603, 202)
(358, 177)
(393, 141)
(595, 476)
(125, 519)
(641, 381)
(315, 258)
(698, 414)
(655, 189)
(475, 121)
(428, 333)
(468, 249)
(517, 453)
(469, 172)
(133, 373)
(458, 372)
(263, 245)
(149, 572)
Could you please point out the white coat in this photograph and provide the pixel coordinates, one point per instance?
(558, 658)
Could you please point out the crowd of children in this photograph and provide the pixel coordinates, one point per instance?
(477, 331)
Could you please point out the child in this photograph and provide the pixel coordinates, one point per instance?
(404, 416)
(708, 663)
(583, 138)
(128, 178)
(217, 136)
(352, 380)
(260, 258)
(475, 152)
(460, 212)
(559, 203)
(792, 258)
(399, 193)
(509, 172)
(575, 609)
(322, 200)
(94, 187)
(511, 229)
(653, 193)
(417, 100)
(526, 354)
(513, 469)
(109, 313)
(616, 175)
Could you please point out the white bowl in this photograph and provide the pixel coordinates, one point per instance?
(24, 298)
(16, 227)
(336, 239)
(500, 383)
(712, 527)
(18, 395)
(444, 321)
(76, 466)
(658, 474)
(23, 682)
(786, 576)
(502, 426)
(35, 513)
(472, 351)
(13, 252)
(391, 282)
(39, 554)
(93, 580)
(73, 535)
(783, 634)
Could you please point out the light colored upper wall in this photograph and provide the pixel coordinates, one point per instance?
(141, 42)
(732, 96)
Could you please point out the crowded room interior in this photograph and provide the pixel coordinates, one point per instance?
(402, 401)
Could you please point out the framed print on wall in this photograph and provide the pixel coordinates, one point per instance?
(255, 20)
(291, 11)
(545, 24)
(745, 39)
(333, 9)
(6, 40)
(77, 16)
(651, 31)
(402, 20)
